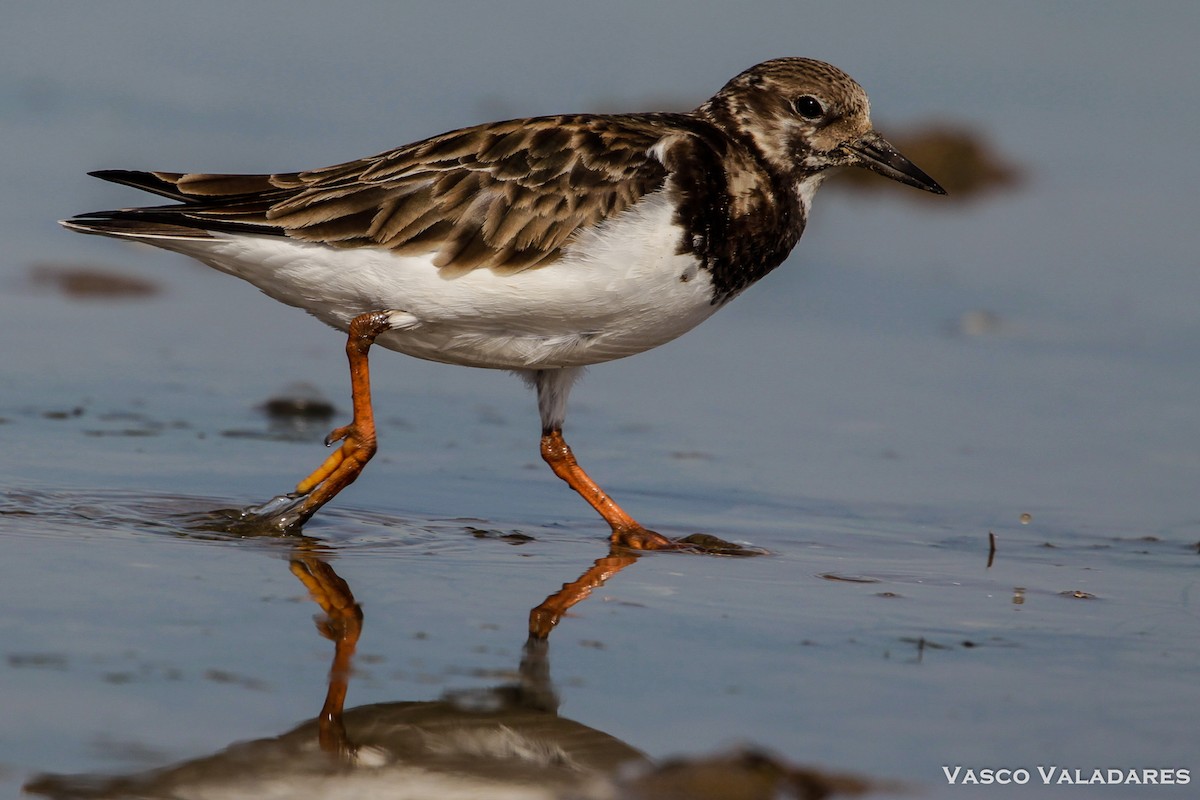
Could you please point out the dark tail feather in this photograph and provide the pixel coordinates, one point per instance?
(164, 184)
(201, 187)
(235, 203)
(131, 226)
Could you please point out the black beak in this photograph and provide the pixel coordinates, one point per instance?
(873, 152)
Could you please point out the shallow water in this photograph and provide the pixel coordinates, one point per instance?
(913, 379)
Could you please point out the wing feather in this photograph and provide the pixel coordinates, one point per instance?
(506, 196)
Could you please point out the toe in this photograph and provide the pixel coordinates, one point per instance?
(641, 539)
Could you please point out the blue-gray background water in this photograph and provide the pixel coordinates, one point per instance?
(917, 374)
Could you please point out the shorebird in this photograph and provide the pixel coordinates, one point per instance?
(539, 245)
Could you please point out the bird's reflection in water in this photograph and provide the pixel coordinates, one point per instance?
(498, 743)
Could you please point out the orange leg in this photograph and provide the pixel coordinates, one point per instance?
(626, 532)
(358, 438)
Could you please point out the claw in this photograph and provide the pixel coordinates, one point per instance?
(338, 434)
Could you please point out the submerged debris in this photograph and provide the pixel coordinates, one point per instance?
(86, 282)
(301, 400)
(716, 546)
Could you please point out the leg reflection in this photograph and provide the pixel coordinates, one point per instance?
(341, 624)
(544, 617)
(479, 742)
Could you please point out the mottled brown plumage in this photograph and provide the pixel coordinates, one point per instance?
(505, 196)
(538, 245)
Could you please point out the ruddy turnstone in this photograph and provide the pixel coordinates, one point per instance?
(535, 245)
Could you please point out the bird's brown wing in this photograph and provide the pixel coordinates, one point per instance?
(505, 196)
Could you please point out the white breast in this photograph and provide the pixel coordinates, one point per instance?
(619, 289)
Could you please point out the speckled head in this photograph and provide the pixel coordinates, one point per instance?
(804, 117)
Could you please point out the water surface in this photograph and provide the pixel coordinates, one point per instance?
(914, 378)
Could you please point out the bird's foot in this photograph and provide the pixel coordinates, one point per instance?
(638, 538)
(358, 438)
(349, 459)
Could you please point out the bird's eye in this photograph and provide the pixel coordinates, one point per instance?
(808, 107)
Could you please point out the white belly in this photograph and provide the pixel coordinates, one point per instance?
(619, 289)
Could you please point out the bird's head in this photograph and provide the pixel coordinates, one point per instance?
(806, 117)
